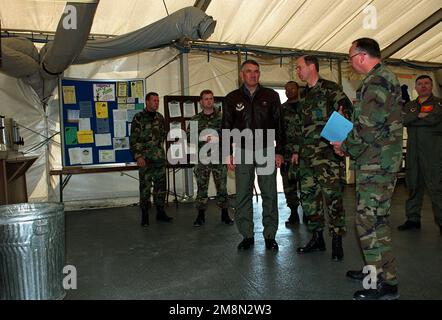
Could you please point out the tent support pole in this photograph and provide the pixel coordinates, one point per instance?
(413, 34)
(184, 75)
(239, 67)
(340, 72)
(47, 150)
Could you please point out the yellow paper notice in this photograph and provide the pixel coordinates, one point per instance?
(122, 89)
(85, 136)
(137, 89)
(101, 110)
(69, 95)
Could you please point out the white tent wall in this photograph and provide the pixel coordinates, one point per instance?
(20, 102)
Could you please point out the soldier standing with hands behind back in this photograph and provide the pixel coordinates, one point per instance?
(210, 118)
(290, 110)
(147, 136)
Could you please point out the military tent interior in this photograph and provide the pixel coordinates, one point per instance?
(181, 47)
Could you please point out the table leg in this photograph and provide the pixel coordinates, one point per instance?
(61, 187)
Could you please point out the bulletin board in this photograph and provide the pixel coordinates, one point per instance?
(95, 118)
(178, 110)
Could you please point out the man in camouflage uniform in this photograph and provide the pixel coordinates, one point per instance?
(375, 143)
(423, 119)
(290, 109)
(210, 119)
(320, 169)
(147, 137)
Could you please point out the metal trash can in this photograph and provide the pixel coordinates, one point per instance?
(32, 251)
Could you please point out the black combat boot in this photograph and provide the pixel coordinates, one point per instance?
(271, 244)
(409, 225)
(294, 217)
(356, 275)
(162, 216)
(246, 243)
(337, 250)
(316, 243)
(200, 219)
(225, 216)
(383, 291)
(144, 217)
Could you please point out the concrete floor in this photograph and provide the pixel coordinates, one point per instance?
(117, 259)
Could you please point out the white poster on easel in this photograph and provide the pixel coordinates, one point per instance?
(174, 110)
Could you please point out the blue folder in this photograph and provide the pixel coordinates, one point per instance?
(336, 128)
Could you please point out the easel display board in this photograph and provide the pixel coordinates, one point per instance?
(178, 110)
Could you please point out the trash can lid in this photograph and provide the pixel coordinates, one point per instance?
(29, 211)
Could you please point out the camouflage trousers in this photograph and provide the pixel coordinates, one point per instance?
(202, 175)
(290, 183)
(156, 176)
(322, 188)
(374, 191)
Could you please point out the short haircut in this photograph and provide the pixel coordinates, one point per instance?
(292, 82)
(207, 91)
(369, 46)
(249, 61)
(151, 94)
(424, 76)
(309, 60)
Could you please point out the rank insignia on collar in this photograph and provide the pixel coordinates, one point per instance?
(239, 106)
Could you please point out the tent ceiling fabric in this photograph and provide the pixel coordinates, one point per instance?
(427, 47)
(326, 25)
(112, 17)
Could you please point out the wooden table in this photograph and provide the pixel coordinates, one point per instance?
(69, 171)
(13, 179)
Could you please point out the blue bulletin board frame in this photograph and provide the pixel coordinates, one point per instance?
(84, 106)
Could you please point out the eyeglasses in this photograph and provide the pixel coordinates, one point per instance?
(351, 57)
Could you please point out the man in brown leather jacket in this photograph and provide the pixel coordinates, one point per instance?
(256, 112)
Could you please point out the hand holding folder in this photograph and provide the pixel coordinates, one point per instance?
(336, 128)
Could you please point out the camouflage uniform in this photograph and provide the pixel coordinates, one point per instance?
(376, 145)
(288, 171)
(202, 171)
(424, 157)
(320, 169)
(146, 140)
